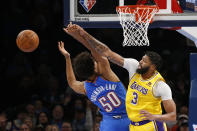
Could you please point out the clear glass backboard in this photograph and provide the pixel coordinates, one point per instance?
(102, 13)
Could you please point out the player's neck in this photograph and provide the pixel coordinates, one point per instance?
(148, 75)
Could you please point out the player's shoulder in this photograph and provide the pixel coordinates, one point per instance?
(162, 84)
(130, 61)
(163, 89)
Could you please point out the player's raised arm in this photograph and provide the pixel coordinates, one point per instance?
(74, 31)
(77, 86)
(93, 44)
(104, 67)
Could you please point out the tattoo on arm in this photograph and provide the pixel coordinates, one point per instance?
(103, 50)
(96, 45)
(115, 61)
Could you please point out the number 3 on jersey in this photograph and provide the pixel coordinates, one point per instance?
(113, 99)
(135, 98)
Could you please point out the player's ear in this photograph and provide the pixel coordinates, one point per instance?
(153, 67)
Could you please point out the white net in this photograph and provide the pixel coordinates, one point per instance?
(135, 24)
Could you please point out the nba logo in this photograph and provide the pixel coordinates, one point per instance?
(195, 127)
(87, 4)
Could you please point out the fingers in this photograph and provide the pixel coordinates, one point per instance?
(60, 44)
(65, 29)
(145, 115)
(68, 30)
(143, 112)
(70, 24)
(142, 115)
(71, 27)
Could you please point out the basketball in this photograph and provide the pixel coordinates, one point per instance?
(27, 41)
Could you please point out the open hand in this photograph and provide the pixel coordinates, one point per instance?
(147, 116)
(62, 49)
(74, 30)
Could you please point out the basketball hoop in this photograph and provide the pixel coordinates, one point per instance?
(135, 20)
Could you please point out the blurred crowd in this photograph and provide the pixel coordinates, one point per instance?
(35, 95)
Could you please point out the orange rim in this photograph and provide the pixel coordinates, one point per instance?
(134, 7)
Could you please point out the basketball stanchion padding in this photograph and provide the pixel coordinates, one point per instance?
(135, 20)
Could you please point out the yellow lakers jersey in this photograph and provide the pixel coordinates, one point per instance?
(140, 96)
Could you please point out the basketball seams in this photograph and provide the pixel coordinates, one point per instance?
(27, 41)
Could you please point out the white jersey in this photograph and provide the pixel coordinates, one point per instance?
(161, 89)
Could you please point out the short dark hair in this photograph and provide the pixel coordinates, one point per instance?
(83, 65)
(155, 59)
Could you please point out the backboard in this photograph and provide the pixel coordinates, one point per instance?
(102, 13)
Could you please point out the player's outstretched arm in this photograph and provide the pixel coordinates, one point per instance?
(104, 68)
(93, 44)
(74, 31)
(77, 86)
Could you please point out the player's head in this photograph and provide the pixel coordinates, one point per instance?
(150, 61)
(84, 65)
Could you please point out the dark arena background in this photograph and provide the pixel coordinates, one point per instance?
(36, 82)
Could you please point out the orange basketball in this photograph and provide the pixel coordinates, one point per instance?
(27, 41)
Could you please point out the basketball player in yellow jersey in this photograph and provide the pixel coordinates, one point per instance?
(146, 90)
